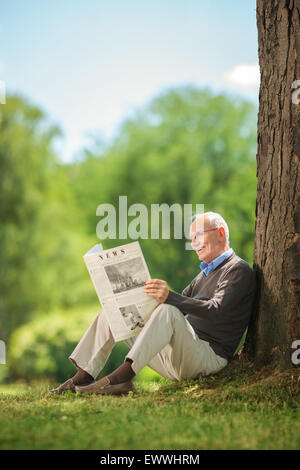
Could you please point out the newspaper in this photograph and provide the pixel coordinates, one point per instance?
(118, 275)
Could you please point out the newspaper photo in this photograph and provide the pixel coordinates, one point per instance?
(118, 275)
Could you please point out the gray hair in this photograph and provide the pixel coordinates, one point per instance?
(216, 221)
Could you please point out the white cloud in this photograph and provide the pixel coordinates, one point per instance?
(244, 76)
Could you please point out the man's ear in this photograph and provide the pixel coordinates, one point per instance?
(222, 231)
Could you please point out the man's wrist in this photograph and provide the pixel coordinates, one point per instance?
(170, 298)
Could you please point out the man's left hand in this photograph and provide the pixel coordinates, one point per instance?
(157, 288)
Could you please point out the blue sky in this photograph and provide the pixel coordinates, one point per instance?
(89, 63)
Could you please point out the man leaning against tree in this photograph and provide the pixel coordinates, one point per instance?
(188, 334)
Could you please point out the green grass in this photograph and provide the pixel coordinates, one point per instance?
(239, 408)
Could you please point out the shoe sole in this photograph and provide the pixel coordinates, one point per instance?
(119, 389)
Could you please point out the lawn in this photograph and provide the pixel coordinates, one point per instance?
(239, 408)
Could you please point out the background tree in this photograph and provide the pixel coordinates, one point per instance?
(39, 231)
(277, 239)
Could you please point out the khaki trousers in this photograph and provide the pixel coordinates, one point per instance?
(167, 343)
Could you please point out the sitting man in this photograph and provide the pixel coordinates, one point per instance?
(188, 334)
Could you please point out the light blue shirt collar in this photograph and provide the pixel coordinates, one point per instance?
(208, 268)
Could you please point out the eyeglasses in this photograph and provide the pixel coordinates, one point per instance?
(200, 234)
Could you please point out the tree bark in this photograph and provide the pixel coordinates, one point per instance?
(276, 322)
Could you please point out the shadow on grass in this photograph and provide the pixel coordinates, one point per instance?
(239, 380)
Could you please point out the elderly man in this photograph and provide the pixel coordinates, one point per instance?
(188, 334)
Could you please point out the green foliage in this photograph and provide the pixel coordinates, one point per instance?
(41, 347)
(40, 239)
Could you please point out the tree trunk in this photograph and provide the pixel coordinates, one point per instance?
(276, 323)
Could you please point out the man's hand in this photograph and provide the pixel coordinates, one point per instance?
(158, 289)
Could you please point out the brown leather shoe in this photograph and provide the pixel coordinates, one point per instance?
(68, 385)
(103, 387)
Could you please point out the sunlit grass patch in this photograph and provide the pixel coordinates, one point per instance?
(12, 389)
